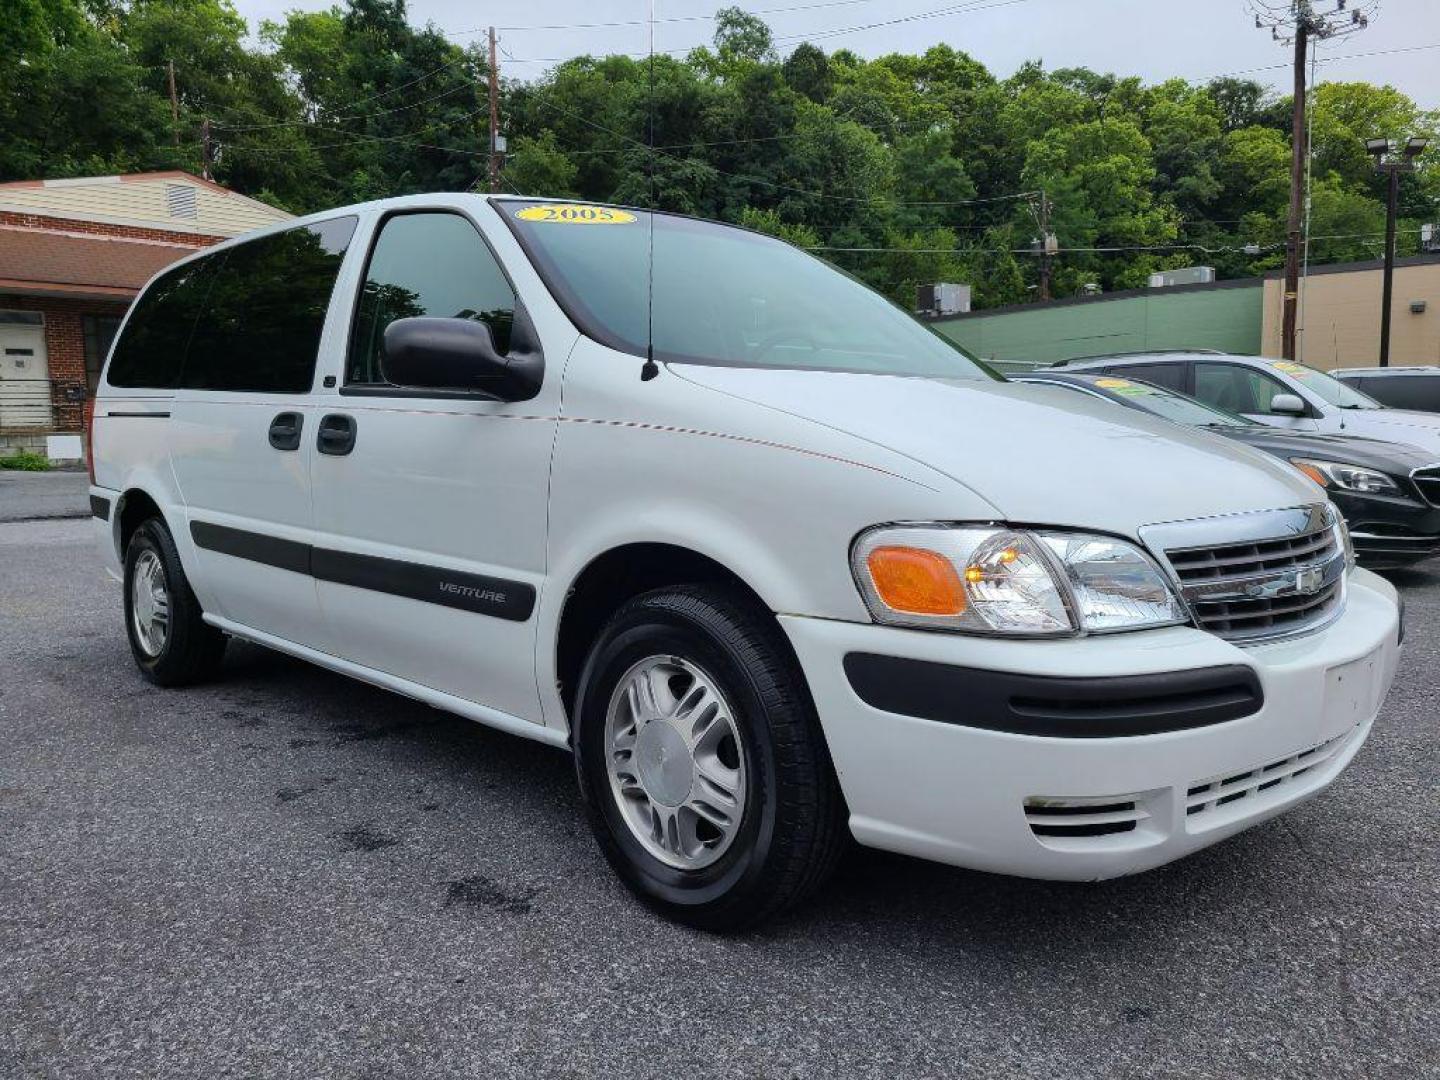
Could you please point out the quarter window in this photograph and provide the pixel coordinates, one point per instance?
(427, 264)
(151, 349)
(1236, 388)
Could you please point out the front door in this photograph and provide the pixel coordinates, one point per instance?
(430, 507)
(24, 371)
(240, 424)
(1238, 388)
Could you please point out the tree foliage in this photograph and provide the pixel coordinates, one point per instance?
(903, 169)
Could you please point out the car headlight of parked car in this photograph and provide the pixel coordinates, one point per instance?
(1019, 582)
(1341, 477)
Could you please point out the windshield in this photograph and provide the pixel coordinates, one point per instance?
(1326, 386)
(1170, 405)
(722, 295)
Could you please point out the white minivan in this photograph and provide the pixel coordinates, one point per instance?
(777, 563)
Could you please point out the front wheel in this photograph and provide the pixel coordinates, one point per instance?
(704, 773)
(170, 640)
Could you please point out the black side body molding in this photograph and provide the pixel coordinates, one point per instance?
(497, 597)
(1074, 708)
(483, 595)
(257, 547)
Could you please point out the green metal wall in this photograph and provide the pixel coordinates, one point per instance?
(1227, 319)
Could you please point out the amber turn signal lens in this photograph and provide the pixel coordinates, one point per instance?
(1312, 472)
(916, 581)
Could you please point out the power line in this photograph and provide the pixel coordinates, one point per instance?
(352, 116)
(365, 101)
(937, 13)
(1333, 59)
(543, 100)
(670, 19)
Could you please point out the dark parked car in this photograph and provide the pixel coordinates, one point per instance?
(1399, 387)
(1388, 492)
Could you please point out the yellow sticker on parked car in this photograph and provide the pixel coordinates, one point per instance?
(1112, 384)
(575, 214)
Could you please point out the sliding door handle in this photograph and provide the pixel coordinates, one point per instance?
(285, 431)
(337, 434)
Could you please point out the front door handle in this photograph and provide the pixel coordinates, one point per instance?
(285, 431)
(337, 434)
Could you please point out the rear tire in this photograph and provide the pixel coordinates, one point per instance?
(776, 847)
(169, 638)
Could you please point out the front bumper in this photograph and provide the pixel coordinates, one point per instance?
(1389, 531)
(1097, 807)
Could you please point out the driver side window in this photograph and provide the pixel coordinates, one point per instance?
(1236, 388)
(432, 264)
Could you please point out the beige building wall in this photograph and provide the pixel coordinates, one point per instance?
(174, 201)
(1342, 317)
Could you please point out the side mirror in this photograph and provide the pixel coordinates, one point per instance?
(459, 355)
(1288, 405)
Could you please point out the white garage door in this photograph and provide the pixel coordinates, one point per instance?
(24, 371)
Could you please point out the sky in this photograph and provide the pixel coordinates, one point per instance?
(1155, 39)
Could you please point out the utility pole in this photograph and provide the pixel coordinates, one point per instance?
(494, 116)
(1299, 154)
(174, 105)
(1390, 166)
(1297, 23)
(1047, 245)
(207, 149)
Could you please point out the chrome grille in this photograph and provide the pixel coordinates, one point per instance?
(1428, 481)
(1211, 563)
(1263, 618)
(1256, 576)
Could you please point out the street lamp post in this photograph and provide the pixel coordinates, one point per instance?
(1391, 166)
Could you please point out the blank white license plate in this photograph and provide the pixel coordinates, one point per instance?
(1350, 692)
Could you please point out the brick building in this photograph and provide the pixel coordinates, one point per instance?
(73, 254)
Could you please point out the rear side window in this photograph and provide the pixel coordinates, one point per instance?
(151, 350)
(259, 329)
(429, 264)
(1170, 376)
(1401, 391)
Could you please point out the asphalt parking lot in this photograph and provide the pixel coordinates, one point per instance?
(290, 874)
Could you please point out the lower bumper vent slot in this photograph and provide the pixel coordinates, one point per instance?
(1081, 817)
(1228, 789)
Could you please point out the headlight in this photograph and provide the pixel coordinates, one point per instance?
(1342, 477)
(989, 580)
(1342, 530)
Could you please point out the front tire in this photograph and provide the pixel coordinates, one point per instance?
(705, 776)
(170, 640)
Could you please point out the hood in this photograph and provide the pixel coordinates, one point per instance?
(1420, 429)
(1391, 457)
(1040, 455)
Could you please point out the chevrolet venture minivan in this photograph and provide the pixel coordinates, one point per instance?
(778, 564)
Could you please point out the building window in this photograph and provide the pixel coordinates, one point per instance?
(21, 318)
(99, 333)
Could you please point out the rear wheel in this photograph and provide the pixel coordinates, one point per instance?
(706, 778)
(170, 640)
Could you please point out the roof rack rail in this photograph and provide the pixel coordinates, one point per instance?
(1138, 352)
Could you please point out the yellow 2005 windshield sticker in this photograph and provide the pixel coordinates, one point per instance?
(575, 214)
(1113, 384)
